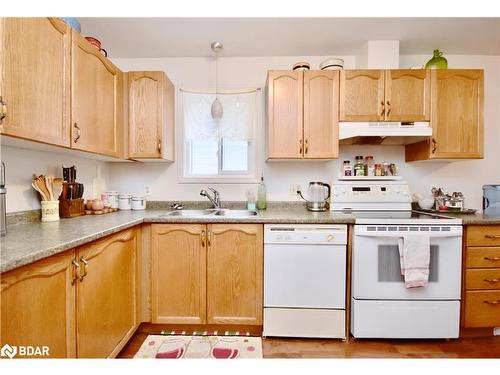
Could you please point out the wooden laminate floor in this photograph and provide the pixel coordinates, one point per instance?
(467, 347)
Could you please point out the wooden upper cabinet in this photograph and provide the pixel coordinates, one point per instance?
(96, 101)
(456, 117)
(35, 79)
(178, 275)
(362, 95)
(151, 116)
(407, 95)
(285, 114)
(106, 295)
(321, 128)
(457, 113)
(234, 274)
(38, 305)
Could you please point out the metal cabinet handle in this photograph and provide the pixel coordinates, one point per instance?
(388, 108)
(3, 109)
(76, 266)
(75, 125)
(85, 263)
(434, 147)
(209, 238)
(493, 281)
(492, 236)
(383, 108)
(307, 146)
(202, 238)
(159, 146)
(494, 303)
(493, 259)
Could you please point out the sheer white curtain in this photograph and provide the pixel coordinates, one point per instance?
(224, 147)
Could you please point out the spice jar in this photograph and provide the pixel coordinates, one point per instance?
(347, 169)
(369, 166)
(378, 169)
(359, 167)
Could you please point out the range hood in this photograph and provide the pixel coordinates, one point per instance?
(386, 133)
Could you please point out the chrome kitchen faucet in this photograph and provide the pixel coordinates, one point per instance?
(215, 200)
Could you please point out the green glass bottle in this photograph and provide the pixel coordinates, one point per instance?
(261, 195)
(437, 61)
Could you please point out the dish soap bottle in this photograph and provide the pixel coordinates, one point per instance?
(261, 195)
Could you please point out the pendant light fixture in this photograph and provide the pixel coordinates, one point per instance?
(217, 110)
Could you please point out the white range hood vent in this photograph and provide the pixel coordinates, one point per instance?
(386, 133)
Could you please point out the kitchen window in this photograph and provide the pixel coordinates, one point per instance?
(221, 150)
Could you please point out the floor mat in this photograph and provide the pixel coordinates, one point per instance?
(220, 347)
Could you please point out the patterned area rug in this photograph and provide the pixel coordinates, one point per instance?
(220, 347)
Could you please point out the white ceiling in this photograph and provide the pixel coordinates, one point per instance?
(182, 37)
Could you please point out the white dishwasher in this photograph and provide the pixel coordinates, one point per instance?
(305, 280)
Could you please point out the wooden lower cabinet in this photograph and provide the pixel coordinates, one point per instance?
(481, 295)
(234, 274)
(178, 275)
(38, 306)
(107, 307)
(76, 309)
(207, 274)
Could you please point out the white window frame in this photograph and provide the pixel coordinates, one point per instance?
(228, 177)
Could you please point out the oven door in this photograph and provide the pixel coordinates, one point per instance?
(376, 272)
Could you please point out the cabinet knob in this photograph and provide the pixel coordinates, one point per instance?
(388, 108)
(76, 266)
(202, 238)
(434, 146)
(3, 109)
(306, 147)
(85, 263)
(300, 146)
(383, 108)
(75, 125)
(159, 146)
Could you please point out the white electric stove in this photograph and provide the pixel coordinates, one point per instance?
(381, 305)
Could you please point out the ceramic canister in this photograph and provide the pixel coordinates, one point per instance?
(138, 202)
(50, 210)
(125, 202)
(110, 199)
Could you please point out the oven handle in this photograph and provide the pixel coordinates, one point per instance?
(401, 234)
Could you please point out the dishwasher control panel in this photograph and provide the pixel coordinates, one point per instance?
(306, 234)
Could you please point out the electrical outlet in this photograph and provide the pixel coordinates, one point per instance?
(147, 189)
(496, 331)
(294, 188)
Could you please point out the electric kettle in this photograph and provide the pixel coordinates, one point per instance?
(318, 195)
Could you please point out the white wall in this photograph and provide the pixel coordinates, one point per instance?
(466, 176)
(21, 164)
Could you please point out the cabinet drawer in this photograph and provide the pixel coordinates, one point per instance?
(482, 279)
(483, 257)
(483, 235)
(482, 309)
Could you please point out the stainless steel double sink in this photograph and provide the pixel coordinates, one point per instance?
(214, 212)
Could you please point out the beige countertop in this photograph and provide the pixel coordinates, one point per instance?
(26, 243)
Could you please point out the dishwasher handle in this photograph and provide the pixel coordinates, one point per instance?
(400, 234)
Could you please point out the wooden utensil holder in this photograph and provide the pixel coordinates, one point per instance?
(71, 207)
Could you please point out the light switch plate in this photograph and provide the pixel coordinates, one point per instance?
(147, 189)
(294, 188)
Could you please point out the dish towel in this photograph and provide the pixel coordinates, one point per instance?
(414, 257)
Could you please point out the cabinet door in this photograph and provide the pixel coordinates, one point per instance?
(38, 305)
(96, 100)
(234, 274)
(178, 275)
(457, 114)
(407, 95)
(35, 79)
(151, 110)
(284, 114)
(106, 295)
(321, 120)
(362, 95)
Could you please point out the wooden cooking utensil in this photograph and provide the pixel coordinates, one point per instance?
(57, 187)
(35, 186)
(40, 182)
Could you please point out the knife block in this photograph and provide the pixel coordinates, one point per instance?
(71, 207)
